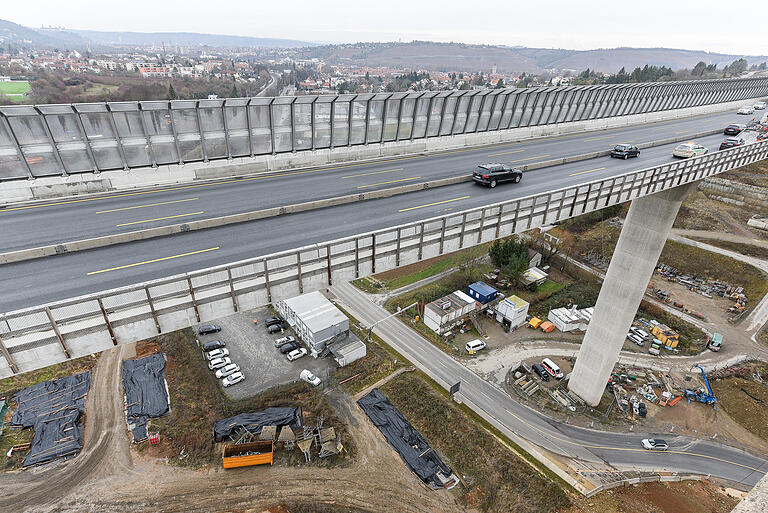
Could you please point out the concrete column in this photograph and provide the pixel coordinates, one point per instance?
(642, 239)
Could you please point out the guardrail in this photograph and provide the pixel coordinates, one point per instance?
(39, 336)
(50, 140)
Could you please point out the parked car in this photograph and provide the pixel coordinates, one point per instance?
(284, 340)
(624, 151)
(552, 368)
(639, 332)
(233, 379)
(290, 346)
(217, 353)
(274, 328)
(474, 346)
(207, 329)
(493, 174)
(689, 149)
(734, 129)
(296, 354)
(539, 370)
(655, 347)
(227, 370)
(731, 142)
(272, 320)
(309, 377)
(747, 109)
(218, 363)
(715, 342)
(636, 339)
(213, 344)
(759, 106)
(655, 444)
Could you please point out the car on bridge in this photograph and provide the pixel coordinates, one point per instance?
(747, 109)
(493, 174)
(734, 129)
(655, 444)
(625, 151)
(731, 142)
(759, 106)
(689, 149)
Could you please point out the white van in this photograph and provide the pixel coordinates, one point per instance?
(553, 369)
(474, 346)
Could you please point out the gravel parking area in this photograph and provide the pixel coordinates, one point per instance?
(253, 349)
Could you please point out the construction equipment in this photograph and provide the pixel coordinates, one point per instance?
(699, 394)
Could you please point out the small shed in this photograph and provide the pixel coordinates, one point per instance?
(348, 350)
(533, 277)
(482, 292)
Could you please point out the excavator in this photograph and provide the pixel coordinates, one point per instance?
(700, 394)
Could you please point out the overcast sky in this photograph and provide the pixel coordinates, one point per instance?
(696, 25)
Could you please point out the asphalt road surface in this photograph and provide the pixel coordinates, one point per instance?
(54, 278)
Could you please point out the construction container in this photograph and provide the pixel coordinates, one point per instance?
(440, 314)
(666, 335)
(547, 326)
(535, 323)
(513, 310)
(482, 292)
(245, 455)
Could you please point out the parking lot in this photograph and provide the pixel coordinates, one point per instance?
(253, 349)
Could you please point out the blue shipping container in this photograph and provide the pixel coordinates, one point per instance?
(482, 292)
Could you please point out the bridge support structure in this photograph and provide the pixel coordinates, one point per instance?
(641, 241)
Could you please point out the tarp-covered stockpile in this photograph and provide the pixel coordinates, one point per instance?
(54, 410)
(146, 395)
(232, 428)
(404, 438)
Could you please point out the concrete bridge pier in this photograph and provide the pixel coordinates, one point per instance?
(642, 239)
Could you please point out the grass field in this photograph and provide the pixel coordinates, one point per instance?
(15, 87)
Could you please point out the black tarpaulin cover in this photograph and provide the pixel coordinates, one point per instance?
(232, 427)
(54, 410)
(146, 395)
(404, 438)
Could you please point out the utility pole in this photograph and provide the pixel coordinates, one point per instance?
(399, 311)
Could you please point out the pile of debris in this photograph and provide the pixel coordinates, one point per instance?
(244, 425)
(54, 409)
(146, 393)
(707, 288)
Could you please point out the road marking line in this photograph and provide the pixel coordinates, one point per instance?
(432, 204)
(504, 153)
(374, 173)
(153, 261)
(585, 172)
(148, 205)
(391, 181)
(597, 138)
(529, 158)
(160, 219)
(628, 449)
(684, 132)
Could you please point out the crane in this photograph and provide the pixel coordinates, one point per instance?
(700, 395)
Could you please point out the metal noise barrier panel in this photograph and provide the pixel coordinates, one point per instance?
(43, 335)
(50, 140)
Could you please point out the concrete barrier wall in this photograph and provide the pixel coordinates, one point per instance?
(36, 337)
(113, 146)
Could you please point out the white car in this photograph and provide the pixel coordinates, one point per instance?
(474, 346)
(227, 370)
(233, 379)
(218, 363)
(217, 353)
(296, 354)
(640, 333)
(284, 340)
(689, 149)
(636, 339)
(748, 109)
(309, 377)
(655, 444)
(759, 106)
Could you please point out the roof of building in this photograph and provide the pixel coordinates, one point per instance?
(532, 275)
(453, 301)
(517, 302)
(315, 311)
(345, 347)
(483, 288)
(571, 315)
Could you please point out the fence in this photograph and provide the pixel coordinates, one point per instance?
(39, 336)
(49, 140)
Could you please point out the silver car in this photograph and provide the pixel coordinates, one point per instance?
(748, 109)
(759, 106)
(284, 340)
(227, 370)
(233, 379)
(217, 353)
(218, 363)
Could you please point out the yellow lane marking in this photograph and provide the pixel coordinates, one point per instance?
(374, 173)
(684, 132)
(598, 138)
(153, 261)
(504, 153)
(145, 206)
(391, 181)
(585, 172)
(433, 204)
(529, 158)
(159, 219)
(628, 449)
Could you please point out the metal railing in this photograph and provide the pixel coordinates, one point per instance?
(42, 335)
(51, 140)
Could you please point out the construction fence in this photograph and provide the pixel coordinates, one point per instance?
(55, 140)
(43, 335)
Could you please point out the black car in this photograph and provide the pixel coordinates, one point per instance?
(272, 320)
(492, 174)
(290, 346)
(624, 151)
(207, 329)
(213, 344)
(731, 142)
(540, 371)
(734, 129)
(274, 328)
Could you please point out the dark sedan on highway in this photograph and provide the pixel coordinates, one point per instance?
(734, 129)
(731, 142)
(493, 174)
(625, 151)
